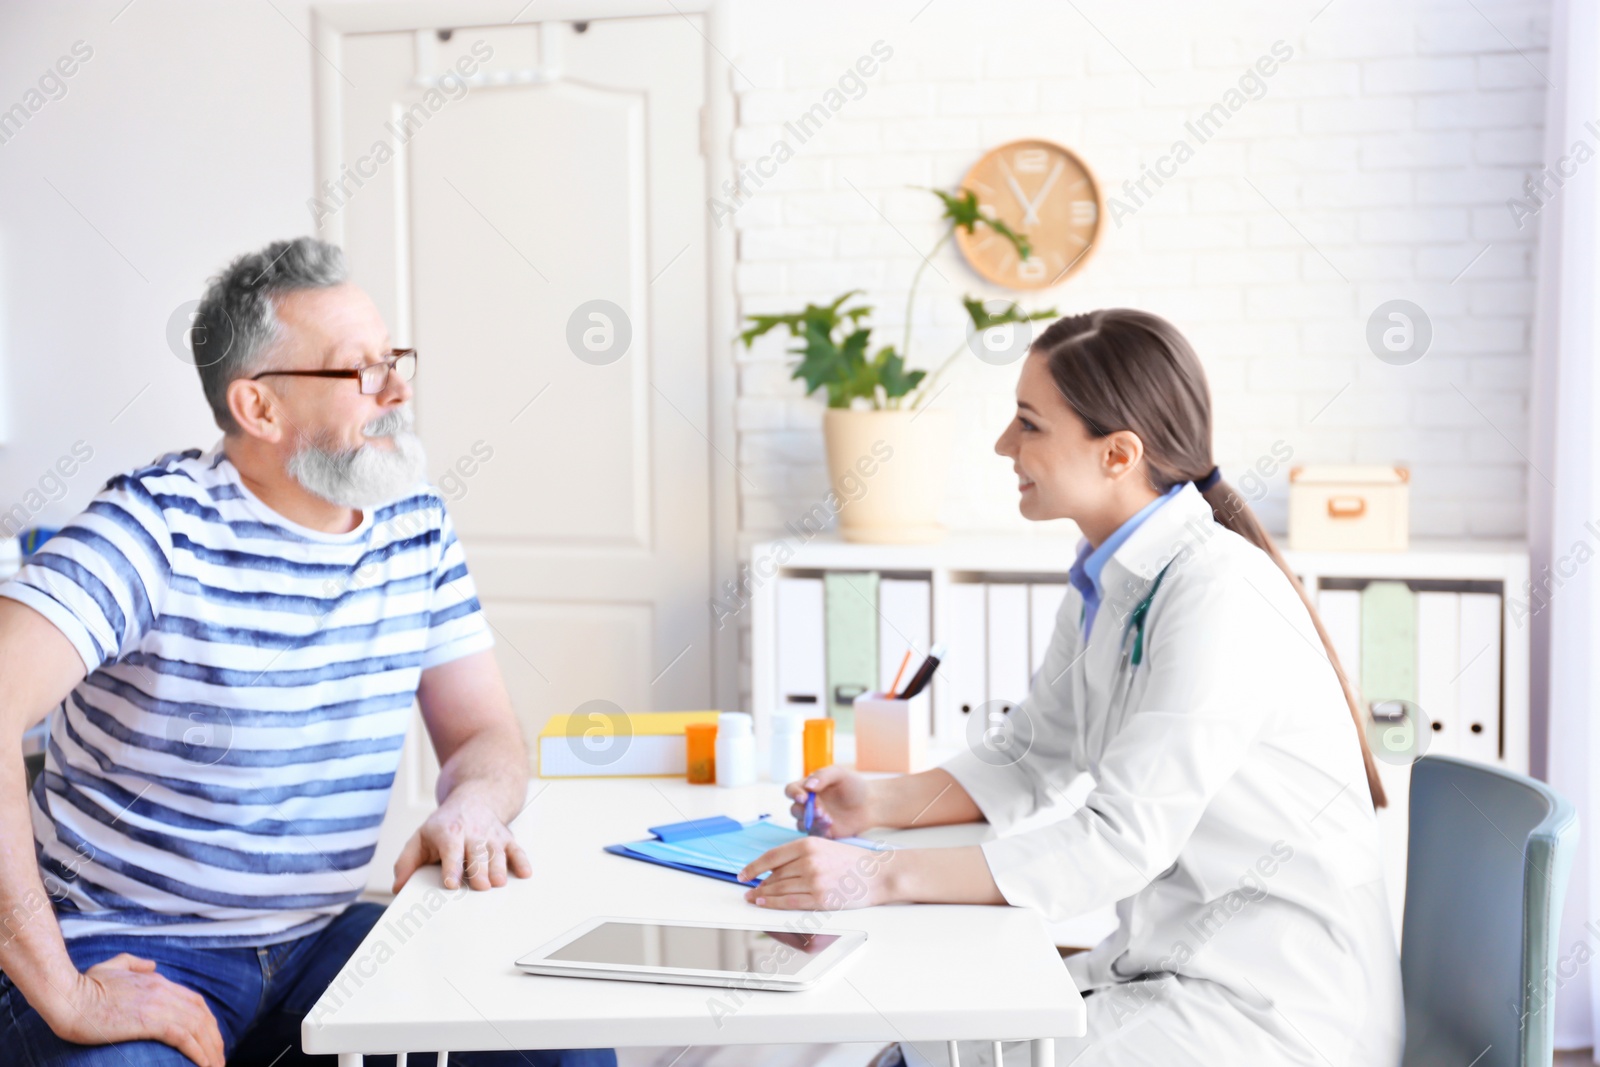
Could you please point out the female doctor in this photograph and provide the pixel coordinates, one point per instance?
(1231, 819)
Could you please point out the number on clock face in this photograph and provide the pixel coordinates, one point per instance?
(1043, 192)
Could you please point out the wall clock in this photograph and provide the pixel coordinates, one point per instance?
(1046, 193)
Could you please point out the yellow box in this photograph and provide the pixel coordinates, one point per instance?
(595, 744)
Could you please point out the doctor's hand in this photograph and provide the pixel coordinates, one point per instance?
(819, 875)
(844, 802)
(466, 837)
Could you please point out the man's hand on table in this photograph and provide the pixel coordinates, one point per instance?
(465, 835)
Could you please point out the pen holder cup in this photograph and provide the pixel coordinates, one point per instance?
(890, 735)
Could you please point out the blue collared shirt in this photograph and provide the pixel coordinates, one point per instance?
(1085, 572)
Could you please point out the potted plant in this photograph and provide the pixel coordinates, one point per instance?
(888, 449)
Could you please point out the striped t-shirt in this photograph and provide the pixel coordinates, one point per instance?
(221, 772)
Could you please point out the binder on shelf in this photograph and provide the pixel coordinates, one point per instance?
(1480, 684)
(1439, 667)
(850, 607)
(1008, 650)
(800, 657)
(1388, 642)
(1044, 600)
(905, 621)
(1394, 820)
(1341, 617)
(962, 680)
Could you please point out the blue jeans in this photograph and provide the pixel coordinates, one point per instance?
(258, 995)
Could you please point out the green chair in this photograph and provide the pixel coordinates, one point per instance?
(1486, 874)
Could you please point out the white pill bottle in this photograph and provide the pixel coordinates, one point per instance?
(736, 749)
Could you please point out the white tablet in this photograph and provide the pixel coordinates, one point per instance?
(694, 953)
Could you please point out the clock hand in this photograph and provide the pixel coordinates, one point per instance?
(1032, 214)
(1016, 189)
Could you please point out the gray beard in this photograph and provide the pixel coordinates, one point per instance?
(366, 476)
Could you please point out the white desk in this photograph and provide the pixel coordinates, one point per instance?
(436, 972)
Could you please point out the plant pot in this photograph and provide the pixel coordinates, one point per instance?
(888, 470)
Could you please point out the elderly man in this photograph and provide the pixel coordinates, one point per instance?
(228, 644)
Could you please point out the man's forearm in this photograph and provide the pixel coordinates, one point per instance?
(492, 764)
(40, 667)
(33, 953)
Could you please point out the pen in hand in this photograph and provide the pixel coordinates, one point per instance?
(811, 810)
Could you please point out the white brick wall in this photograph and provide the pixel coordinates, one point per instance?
(1381, 154)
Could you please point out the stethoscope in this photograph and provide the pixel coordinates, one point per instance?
(1132, 652)
(1134, 655)
(1136, 622)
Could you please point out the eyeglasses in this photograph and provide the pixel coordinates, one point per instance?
(374, 377)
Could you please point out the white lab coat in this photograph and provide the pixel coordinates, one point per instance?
(1229, 821)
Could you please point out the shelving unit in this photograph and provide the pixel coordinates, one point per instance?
(1500, 566)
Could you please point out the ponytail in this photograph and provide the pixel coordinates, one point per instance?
(1122, 369)
(1233, 513)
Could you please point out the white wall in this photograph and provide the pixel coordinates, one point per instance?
(183, 140)
(1376, 165)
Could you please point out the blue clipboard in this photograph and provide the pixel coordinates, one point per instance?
(718, 847)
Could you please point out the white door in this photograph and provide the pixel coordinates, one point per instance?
(539, 235)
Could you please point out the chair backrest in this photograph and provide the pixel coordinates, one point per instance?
(1486, 874)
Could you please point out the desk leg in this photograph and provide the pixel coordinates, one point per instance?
(349, 1059)
(1042, 1052)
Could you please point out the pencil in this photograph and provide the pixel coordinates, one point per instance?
(896, 683)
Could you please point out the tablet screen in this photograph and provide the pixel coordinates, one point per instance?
(699, 948)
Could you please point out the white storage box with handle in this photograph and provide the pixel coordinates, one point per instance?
(1349, 508)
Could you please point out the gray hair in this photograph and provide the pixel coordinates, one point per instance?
(236, 322)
